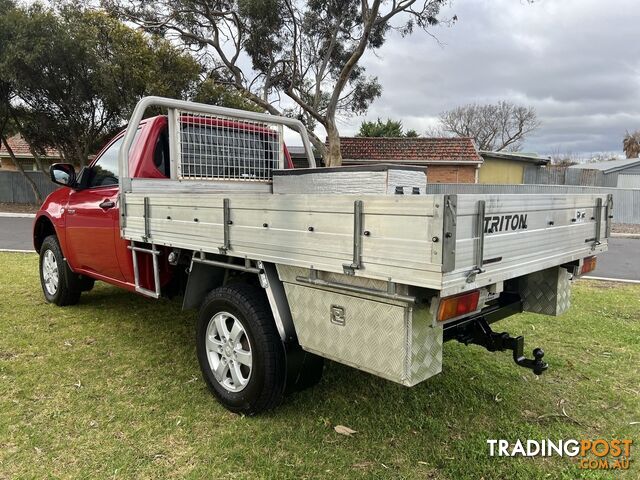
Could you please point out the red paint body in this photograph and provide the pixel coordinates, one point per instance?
(88, 234)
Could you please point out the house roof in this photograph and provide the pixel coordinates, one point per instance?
(21, 149)
(516, 157)
(416, 150)
(610, 166)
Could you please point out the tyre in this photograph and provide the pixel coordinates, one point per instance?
(239, 350)
(59, 284)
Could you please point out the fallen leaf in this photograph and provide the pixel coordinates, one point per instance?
(342, 430)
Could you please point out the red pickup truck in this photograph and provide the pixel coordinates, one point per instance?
(361, 265)
(76, 230)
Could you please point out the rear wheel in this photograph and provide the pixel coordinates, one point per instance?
(59, 284)
(239, 350)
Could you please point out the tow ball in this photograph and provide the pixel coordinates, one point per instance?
(479, 332)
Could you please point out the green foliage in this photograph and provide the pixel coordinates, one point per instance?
(307, 51)
(390, 128)
(7, 89)
(411, 133)
(322, 35)
(77, 74)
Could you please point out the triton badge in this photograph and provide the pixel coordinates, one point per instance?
(505, 223)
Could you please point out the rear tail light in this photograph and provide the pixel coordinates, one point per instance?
(588, 265)
(456, 305)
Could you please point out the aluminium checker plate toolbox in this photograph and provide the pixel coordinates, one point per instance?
(389, 338)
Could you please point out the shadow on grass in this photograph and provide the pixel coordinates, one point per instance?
(473, 381)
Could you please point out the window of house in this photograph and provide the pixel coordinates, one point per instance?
(28, 165)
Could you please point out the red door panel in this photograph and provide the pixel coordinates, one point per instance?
(91, 227)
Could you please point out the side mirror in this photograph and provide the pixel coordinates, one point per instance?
(63, 174)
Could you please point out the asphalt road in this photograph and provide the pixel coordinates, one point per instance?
(622, 261)
(15, 233)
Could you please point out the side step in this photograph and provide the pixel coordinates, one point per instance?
(154, 252)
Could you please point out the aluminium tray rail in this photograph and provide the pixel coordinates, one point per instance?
(447, 243)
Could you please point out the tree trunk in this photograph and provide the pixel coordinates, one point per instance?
(81, 157)
(34, 154)
(333, 156)
(16, 162)
(38, 161)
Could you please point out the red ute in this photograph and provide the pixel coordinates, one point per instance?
(86, 219)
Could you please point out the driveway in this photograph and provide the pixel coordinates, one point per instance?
(622, 261)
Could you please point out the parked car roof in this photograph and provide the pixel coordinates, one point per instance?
(610, 166)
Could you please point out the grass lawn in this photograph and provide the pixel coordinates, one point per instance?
(111, 389)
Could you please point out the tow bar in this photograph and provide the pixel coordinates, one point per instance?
(478, 332)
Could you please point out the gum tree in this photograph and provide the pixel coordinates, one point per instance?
(76, 74)
(284, 52)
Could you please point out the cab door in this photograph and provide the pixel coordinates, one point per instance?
(92, 223)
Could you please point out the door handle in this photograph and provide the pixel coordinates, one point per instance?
(107, 204)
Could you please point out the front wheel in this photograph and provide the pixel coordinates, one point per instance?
(59, 284)
(239, 350)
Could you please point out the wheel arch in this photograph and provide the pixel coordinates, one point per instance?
(303, 369)
(204, 277)
(42, 228)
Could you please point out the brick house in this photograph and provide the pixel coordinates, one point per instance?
(21, 150)
(448, 160)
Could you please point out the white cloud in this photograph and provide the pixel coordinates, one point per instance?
(576, 61)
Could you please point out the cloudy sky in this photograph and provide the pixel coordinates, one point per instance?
(576, 61)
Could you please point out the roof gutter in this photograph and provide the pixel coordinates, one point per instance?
(425, 163)
(26, 156)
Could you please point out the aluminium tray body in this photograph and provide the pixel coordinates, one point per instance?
(429, 241)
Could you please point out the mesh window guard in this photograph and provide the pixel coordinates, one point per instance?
(226, 148)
